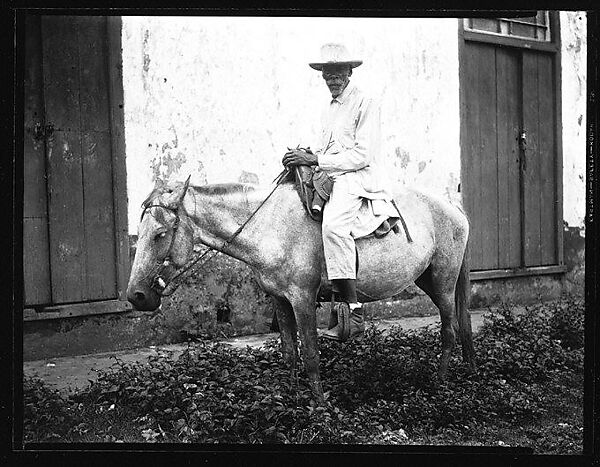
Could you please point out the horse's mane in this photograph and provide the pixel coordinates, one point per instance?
(212, 189)
(224, 188)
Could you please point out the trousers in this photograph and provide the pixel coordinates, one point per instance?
(339, 217)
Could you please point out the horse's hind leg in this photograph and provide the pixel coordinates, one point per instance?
(288, 333)
(445, 303)
(444, 300)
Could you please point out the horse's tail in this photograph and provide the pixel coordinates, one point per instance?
(461, 302)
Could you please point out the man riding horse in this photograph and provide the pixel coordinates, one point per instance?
(360, 200)
(178, 215)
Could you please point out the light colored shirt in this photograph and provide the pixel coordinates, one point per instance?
(350, 143)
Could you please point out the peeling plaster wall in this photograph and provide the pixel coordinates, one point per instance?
(222, 98)
(574, 77)
(574, 80)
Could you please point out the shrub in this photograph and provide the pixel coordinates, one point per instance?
(46, 415)
(566, 322)
(382, 388)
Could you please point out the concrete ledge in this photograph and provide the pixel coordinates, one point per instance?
(76, 309)
(504, 273)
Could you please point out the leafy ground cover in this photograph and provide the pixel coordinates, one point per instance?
(382, 389)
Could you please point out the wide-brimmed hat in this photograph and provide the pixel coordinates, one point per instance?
(334, 54)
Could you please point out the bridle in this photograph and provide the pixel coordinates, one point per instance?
(159, 285)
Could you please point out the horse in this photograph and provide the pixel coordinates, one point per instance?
(273, 234)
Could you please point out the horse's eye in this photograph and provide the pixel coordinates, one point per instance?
(161, 235)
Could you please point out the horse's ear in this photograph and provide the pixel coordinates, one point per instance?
(176, 197)
(159, 186)
(184, 189)
(186, 184)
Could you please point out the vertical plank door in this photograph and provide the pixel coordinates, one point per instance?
(511, 195)
(540, 195)
(508, 108)
(98, 210)
(36, 255)
(76, 248)
(79, 159)
(64, 159)
(490, 155)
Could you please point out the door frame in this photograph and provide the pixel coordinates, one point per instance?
(552, 47)
(116, 102)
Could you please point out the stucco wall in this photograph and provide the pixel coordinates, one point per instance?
(574, 75)
(222, 98)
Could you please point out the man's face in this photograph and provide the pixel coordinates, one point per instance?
(337, 78)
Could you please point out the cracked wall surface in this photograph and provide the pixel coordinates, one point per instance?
(574, 79)
(222, 98)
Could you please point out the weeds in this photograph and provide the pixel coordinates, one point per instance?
(380, 389)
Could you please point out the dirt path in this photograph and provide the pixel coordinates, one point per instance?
(73, 373)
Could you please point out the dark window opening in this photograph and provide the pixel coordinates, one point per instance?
(535, 28)
(223, 312)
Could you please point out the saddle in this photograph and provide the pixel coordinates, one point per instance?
(314, 188)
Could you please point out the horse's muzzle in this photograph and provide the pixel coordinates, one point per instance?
(143, 298)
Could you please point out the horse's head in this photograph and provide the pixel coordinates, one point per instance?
(165, 242)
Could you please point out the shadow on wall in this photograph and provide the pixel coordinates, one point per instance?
(218, 298)
(222, 298)
(574, 253)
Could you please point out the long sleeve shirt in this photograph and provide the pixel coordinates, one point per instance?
(350, 143)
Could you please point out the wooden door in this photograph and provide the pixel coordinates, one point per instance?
(36, 252)
(511, 151)
(72, 235)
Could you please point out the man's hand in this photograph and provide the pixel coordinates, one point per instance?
(299, 157)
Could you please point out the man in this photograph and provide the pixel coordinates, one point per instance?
(360, 199)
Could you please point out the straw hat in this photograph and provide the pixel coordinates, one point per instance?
(334, 54)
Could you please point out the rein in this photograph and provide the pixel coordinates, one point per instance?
(159, 284)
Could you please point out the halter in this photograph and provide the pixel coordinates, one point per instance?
(174, 211)
(158, 284)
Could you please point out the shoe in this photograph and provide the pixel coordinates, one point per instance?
(350, 323)
(383, 229)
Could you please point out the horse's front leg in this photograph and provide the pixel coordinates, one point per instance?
(303, 303)
(288, 333)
